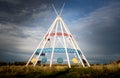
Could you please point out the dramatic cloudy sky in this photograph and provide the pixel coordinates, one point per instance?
(95, 24)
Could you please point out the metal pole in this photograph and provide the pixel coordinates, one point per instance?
(54, 44)
(65, 45)
(77, 46)
(40, 43)
(72, 42)
(46, 40)
(55, 9)
(62, 9)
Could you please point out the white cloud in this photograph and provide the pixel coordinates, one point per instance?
(30, 43)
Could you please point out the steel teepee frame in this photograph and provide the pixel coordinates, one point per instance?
(58, 30)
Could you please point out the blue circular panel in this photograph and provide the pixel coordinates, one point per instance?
(60, 60)
(44, 60)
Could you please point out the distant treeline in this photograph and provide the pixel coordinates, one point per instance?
(24, 63)
(12, 63)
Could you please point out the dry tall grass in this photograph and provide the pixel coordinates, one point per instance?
(58, 71)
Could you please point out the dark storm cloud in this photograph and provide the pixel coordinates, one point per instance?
(99, 32)
(22, 12)
(12, 56)
(27, 12)
(11, 1)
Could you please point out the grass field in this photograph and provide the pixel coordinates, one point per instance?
(95, 71)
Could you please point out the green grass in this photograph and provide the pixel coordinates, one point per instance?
(96, 71)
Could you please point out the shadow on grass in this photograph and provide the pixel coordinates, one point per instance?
(57, 74)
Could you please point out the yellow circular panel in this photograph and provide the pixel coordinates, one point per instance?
(33, 60)
(74, 60)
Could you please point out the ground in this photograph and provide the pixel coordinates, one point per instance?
(58, 71)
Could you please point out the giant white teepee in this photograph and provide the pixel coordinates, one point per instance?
(58, 46)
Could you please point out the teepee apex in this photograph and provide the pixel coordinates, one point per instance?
(58, 13)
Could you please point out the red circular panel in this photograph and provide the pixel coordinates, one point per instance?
(58, 34)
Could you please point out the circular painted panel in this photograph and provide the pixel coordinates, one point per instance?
(60, 60)
(44, 60)
(74, 60)
(33, 60)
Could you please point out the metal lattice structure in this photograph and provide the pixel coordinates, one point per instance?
(58, 40)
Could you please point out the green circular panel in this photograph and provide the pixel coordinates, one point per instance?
(60, 60)
(44, 60)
